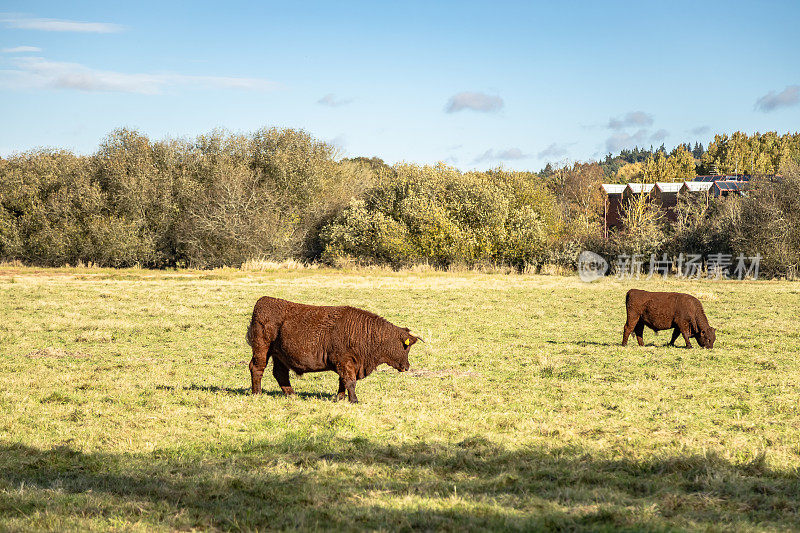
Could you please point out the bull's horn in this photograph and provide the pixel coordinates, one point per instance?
(419, 338)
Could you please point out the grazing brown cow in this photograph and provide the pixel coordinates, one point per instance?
(311, 338)
(665, 310)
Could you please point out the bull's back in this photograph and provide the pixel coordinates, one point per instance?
(296, 331)
(657, 309)
(661, 310)
(692, 310)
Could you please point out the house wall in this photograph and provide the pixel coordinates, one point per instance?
(668, 202)
(613, 215)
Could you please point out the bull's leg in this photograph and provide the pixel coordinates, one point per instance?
(351, 390)
(675, 334)
(261, 337)
(281, 373)
(626, 331)
(686, 332)
(347, 377)
(257, 365)
(639, 331)
(342, 390)
(261, 341)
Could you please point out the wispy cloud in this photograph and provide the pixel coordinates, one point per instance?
(42, 24)
(621, 139)
(659, 135)
(501, 155)
(331, 101)
(39, 73)
(484, 103)
(771, 101)
(634, 119)
(553, 151)
(340, 142)
(20, 49)
(700, 130)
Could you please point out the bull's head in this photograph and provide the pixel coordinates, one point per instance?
(707, 337)
(398, 353)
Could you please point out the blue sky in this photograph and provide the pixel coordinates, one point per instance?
(475, 84)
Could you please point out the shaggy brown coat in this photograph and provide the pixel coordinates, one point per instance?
(665, 310)
(310, 338)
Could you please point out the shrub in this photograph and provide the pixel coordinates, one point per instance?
(768, 223)
(444, 217)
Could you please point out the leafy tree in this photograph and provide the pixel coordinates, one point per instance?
(631, 172)
(443, 216)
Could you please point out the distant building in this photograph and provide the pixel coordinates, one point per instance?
(637, 188)
(696, 189)
(665, 194)
(732, 177)
(696, 186)
(728, 188)
(612, 217)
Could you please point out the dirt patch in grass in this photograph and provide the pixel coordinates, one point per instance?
(235, 363)
(56, 353)
(422, 373)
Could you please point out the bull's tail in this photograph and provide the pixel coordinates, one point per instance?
(249, 336)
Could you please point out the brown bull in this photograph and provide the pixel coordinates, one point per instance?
(666, 310)
(310, 338)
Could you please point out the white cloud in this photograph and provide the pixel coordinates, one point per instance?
(501, 155)
(330, 100)
(39, 73)
(700, 130)
(25, 23)
(771, 101)
(20, 49)
(632, 119)
(484, 103)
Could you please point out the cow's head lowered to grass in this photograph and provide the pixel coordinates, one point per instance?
(706, 337)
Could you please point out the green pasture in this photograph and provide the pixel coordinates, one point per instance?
(125, 406)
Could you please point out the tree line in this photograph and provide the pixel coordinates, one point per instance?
(738, 153)
(223, 198)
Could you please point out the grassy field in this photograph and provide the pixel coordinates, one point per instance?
(125, 405)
